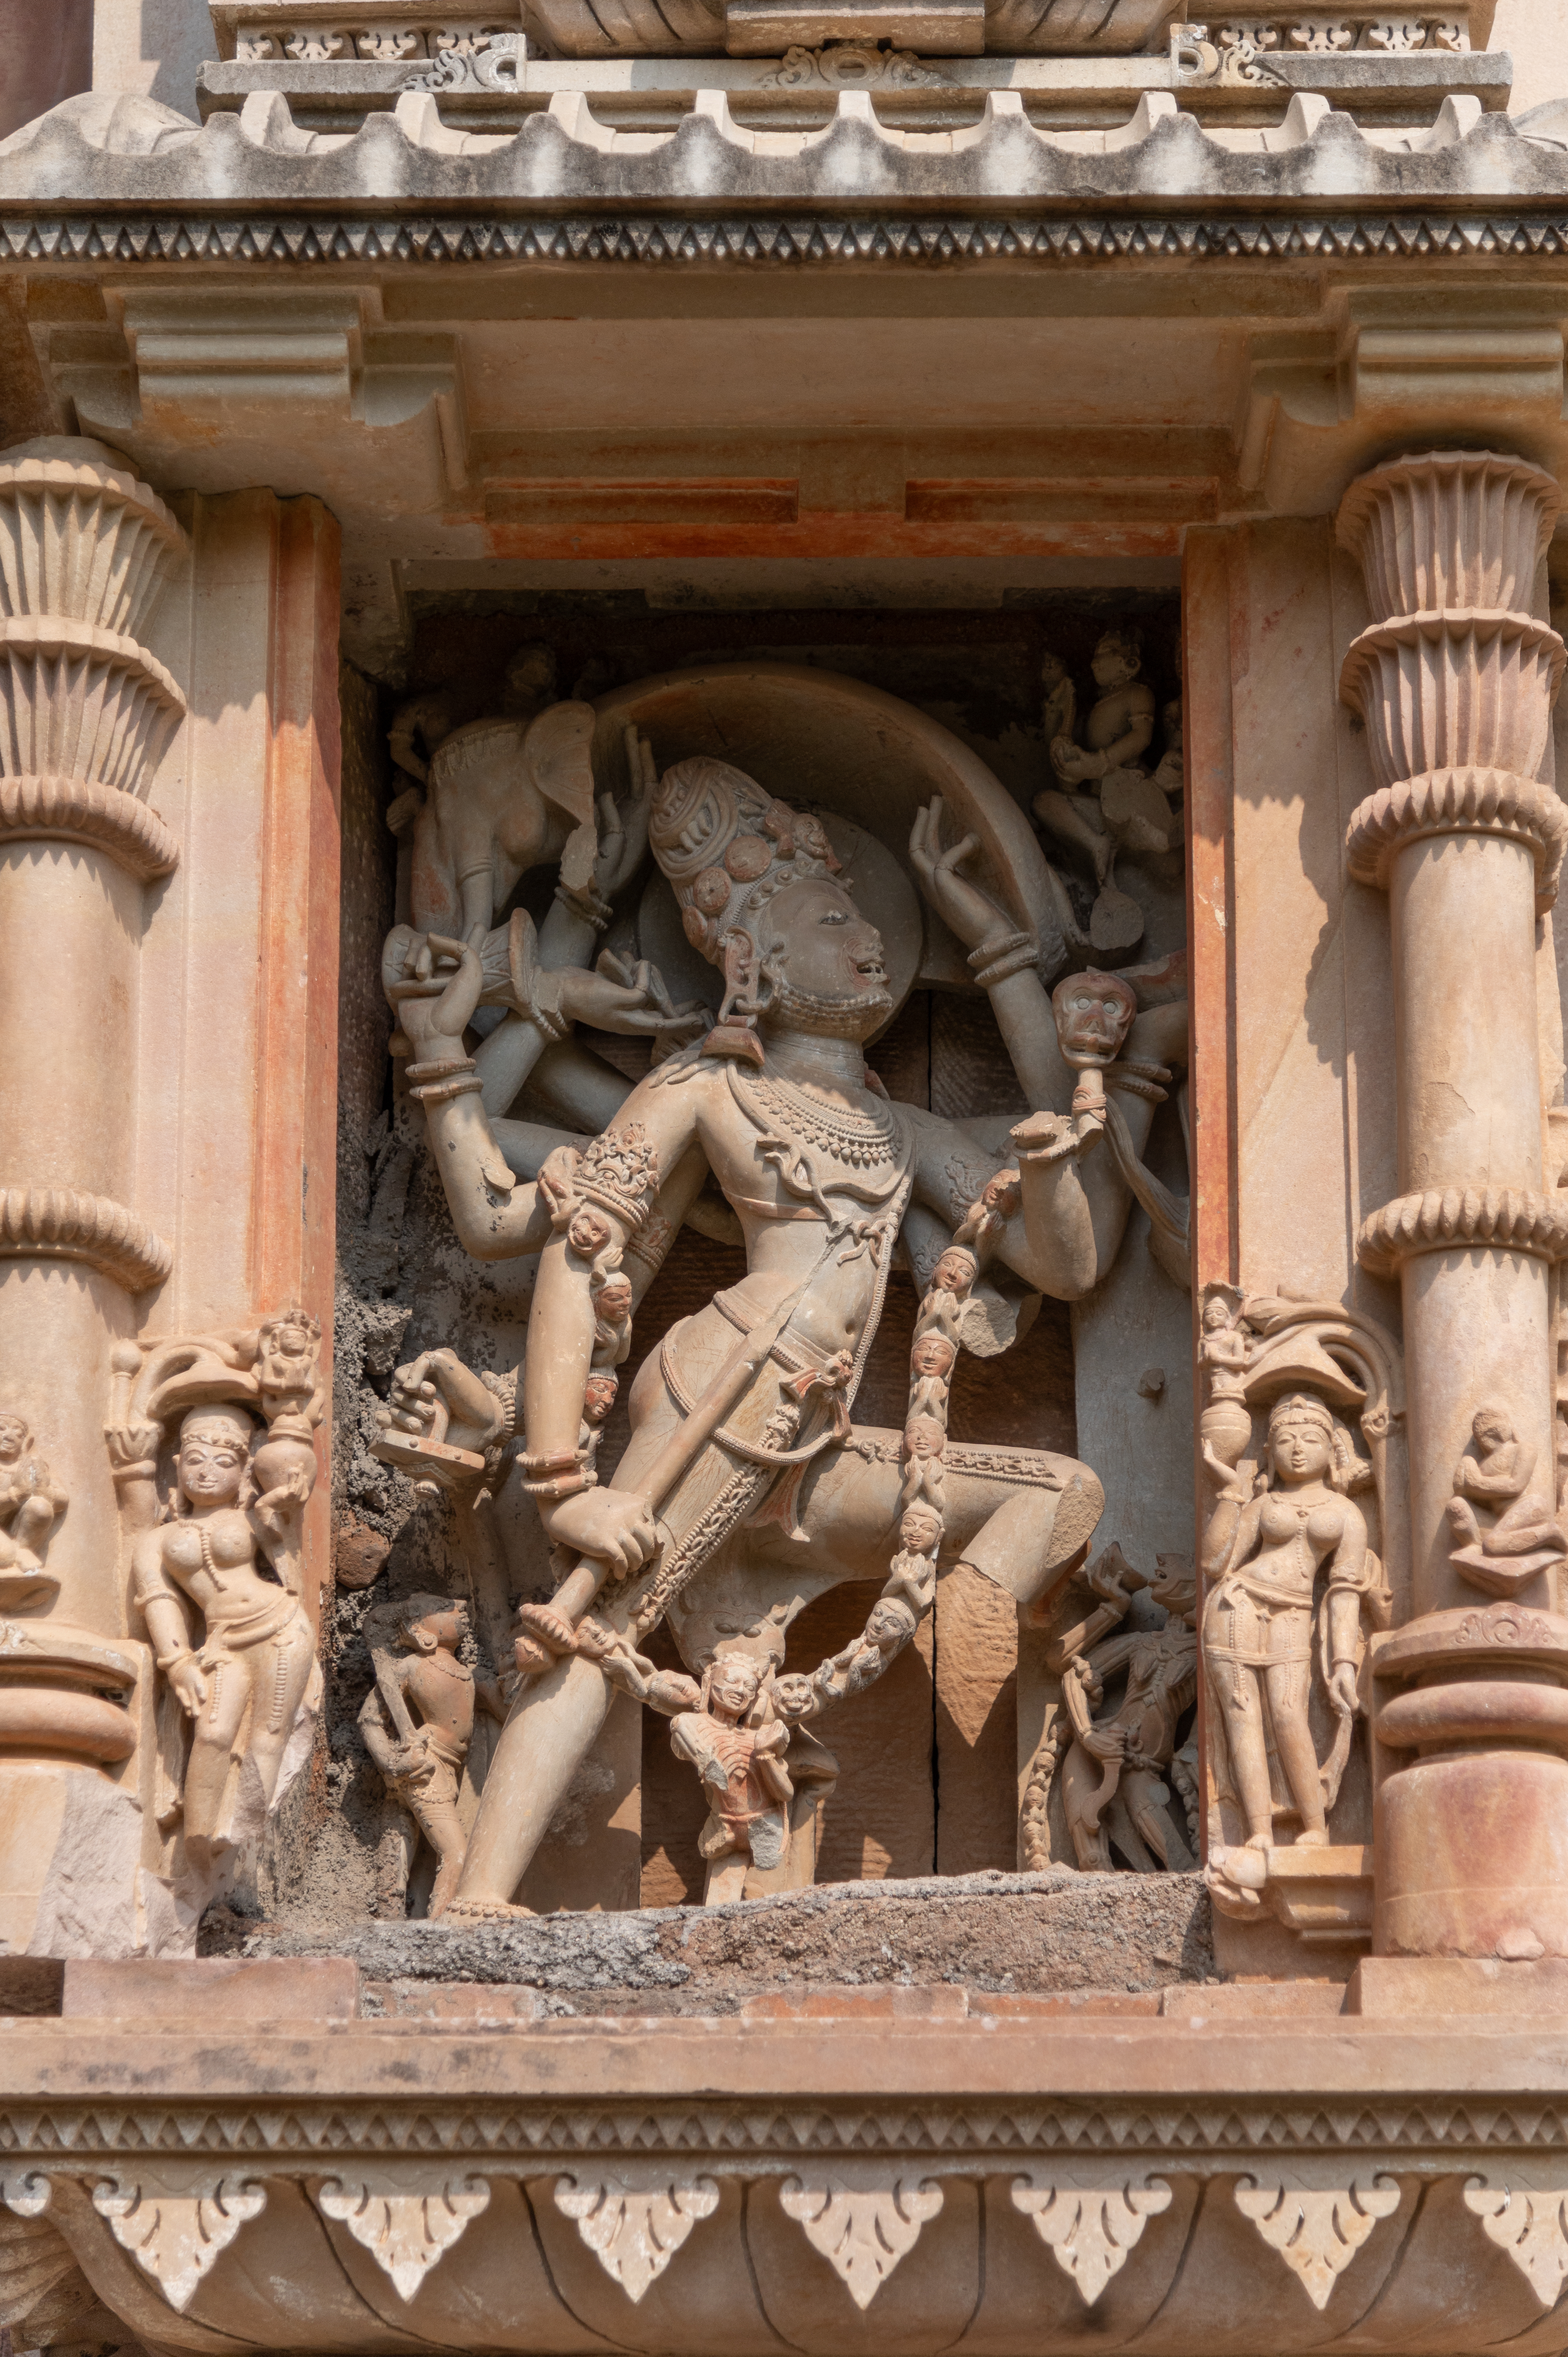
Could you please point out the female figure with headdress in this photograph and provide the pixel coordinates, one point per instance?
(1258, 1619)
(237, 1558)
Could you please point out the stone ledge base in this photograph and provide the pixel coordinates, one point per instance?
(1001, 1934)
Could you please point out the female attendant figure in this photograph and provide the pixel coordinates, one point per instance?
(1258, 1620)
(237, 1562)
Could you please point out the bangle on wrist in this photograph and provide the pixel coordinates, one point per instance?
(998, 958)
(563, 1485)
(466, 1084)
(586, 904)
(440, 1068)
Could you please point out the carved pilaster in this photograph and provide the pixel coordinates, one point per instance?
(1455, 679)
(87, 711)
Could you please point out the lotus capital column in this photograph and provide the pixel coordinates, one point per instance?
(1455, 678)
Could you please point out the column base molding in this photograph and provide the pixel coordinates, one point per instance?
(57, 1223)
(104, 818)
(1459, 801)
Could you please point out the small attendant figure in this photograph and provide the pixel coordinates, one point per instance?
(1104, 802)
(1523, 1538)
(418, 1724)
(30, 1505)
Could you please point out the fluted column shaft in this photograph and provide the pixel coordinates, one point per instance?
(85, 714)
(1455, 679)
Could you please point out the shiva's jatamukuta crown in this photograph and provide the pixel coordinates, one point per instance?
(727, 849)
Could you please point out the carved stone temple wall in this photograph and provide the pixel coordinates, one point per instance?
(783, 1360)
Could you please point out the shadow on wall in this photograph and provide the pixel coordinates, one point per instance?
(46, 54)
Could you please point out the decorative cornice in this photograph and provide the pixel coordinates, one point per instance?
(1501, 1218)
(73, 810)
(59, 1223)
(741, 2136)
(1459, 801)
(620, 234)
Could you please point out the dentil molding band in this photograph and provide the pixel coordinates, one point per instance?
(618, 234)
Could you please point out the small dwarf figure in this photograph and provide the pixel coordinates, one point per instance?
(912, 1573)
(1120, 723)
(286, 1372)
(1112, 1777)
(925, 1445)
(954, 1276)
(1225, 1343)
(1105, 802)
(598, 1401)
(738, 1751)
(612, 1302)
(932, 1363)
(418, 1724)
(1524, 1538)
(30, 1505)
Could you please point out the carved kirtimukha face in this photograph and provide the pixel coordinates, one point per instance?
(1094, 1014)
(213, 1450)
(13, 1439)
(933, 1354)
(589, 1231)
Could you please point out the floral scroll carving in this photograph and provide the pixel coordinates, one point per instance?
(863, 2226)
(635, 2230)
(1089, 2221)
